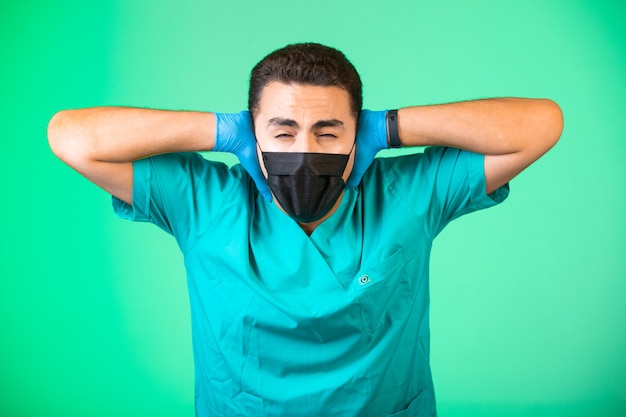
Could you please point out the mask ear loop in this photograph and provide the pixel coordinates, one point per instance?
(353, 146)
(258, 147)
(350, 153)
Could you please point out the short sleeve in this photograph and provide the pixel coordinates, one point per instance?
(140, 209)
(460, 185)
(171, 190)
(440, 185)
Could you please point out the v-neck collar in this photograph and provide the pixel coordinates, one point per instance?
(329, 226)
(325, 228)
(333, 246)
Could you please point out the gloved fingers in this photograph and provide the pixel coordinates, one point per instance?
(261, 184)
(234, 134)
(358, 169)
(371, 137)
(252, 167)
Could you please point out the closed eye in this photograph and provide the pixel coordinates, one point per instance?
(283, 136)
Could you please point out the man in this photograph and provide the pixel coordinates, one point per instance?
(308, 298)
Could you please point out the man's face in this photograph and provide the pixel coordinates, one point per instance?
(305, 118)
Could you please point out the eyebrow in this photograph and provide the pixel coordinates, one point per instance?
(327, 123)
(279, 121)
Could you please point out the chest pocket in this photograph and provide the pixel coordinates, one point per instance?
(384, 292)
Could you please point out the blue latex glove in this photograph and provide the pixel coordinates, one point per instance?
(371, 137)
(234, 134)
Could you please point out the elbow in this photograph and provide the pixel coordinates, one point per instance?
(553, 122)
(545, 125)
(63, 137)
(56, 133)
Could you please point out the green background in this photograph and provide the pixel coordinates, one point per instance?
(528, 299)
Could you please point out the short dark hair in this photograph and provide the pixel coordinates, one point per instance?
(306, 63)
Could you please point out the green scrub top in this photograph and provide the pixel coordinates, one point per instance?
(331, 324)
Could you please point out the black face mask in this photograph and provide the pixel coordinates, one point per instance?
(306, 185)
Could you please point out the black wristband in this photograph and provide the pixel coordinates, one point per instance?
(393, 138)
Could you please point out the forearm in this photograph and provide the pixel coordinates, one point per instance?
(122, 134)
(491, 127)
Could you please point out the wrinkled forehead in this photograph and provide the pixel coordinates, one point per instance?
(304, 104)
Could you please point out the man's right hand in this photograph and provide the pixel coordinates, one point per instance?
(234, 134)
(102, 142)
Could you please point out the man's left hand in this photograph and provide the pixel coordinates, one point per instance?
(371, 137)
